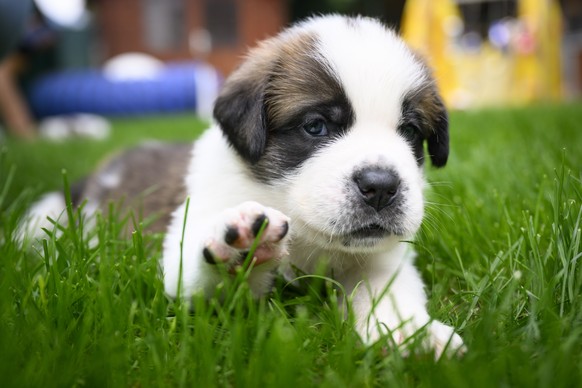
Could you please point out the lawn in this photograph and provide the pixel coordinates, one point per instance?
(499, 251)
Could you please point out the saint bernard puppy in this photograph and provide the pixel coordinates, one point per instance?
(321, 133)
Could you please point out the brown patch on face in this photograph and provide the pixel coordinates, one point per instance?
(283, 86)
(147, 180)
(300, 80)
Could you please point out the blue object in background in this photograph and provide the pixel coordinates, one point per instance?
(179, 87)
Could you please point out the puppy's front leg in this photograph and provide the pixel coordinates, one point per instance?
(222, 239)
(391, 300)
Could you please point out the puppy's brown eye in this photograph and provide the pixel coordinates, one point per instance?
(316, 128)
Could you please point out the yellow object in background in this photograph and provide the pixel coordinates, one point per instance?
(428, 26)
(527, 70)
(537, 73)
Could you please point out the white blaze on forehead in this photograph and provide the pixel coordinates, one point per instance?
(374, 66)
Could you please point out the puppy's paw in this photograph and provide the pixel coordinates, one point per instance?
(444, 341)
(237, 230)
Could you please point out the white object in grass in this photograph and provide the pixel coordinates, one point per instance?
(58, 128)
(51, 205)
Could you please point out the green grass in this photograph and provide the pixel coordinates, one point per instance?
(499, 251)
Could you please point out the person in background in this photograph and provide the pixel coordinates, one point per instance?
(14, 16)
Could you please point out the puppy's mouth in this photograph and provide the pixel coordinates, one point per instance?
(372, 231)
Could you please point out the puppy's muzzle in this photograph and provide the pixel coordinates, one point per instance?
(377, 186)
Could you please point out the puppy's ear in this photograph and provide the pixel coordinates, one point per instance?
(438, 137)
(239, 109)
(423, 109)
(431, 114)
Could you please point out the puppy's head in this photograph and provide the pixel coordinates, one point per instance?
(336, 111)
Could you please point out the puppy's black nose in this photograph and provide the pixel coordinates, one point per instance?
(377, 186)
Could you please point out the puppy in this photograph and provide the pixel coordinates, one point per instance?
(319, 133)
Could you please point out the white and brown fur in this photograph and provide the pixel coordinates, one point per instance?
(321, 130)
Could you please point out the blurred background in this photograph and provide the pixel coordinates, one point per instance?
(67, 64)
